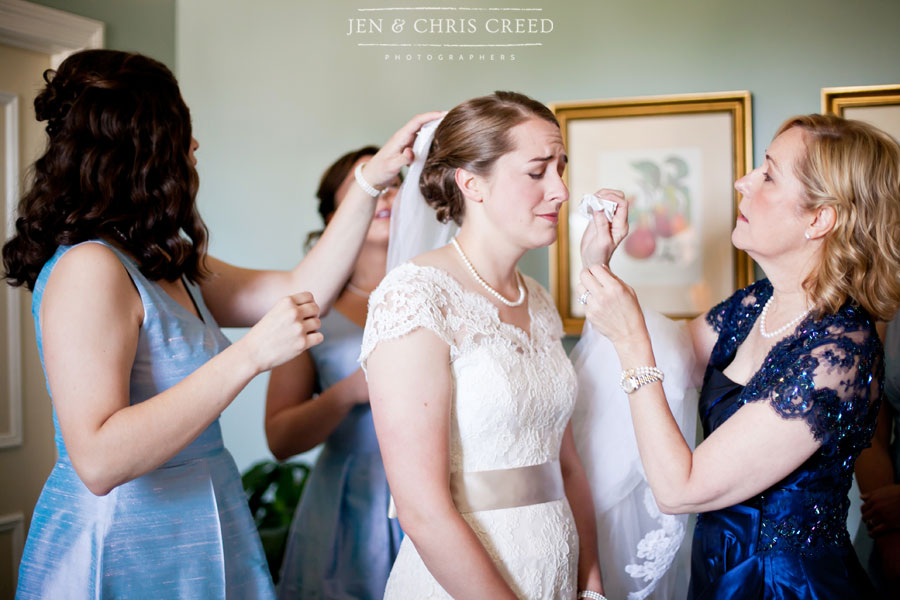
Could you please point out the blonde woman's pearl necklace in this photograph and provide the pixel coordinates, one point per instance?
(485, 284)
(783, 328)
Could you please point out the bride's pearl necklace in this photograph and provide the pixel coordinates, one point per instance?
(484, 283)
(783, 328)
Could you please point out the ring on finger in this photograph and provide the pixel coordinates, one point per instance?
(583, 298)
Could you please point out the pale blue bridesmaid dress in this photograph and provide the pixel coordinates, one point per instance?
(341, 544)
(181, 531)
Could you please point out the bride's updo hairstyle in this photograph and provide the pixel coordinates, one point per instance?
(473, 136)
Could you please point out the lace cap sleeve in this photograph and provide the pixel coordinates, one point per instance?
(830, 373)
(732, 313)
(407, 299)
(733, 318)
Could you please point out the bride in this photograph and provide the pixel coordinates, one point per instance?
(472, 393)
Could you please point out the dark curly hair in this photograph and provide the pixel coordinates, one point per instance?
(117, 167)
(473, 136)
(331, 181)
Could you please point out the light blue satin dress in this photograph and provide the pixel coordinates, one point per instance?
(181, 531)
(342, 544)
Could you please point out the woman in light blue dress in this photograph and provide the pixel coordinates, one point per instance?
(144, 501)
(341, 543)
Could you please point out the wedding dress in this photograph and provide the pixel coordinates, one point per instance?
(513, 394)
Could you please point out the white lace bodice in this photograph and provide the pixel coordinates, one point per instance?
(513, 392)
(513, 395)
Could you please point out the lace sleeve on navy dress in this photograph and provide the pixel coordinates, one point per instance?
(830, 373)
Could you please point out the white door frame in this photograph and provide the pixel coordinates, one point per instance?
(58, 34)
(47, 30)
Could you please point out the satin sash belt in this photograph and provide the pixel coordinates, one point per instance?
(504, 488)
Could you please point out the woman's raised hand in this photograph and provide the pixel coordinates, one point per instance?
(396, 152)
(602, 237)
(289, 328)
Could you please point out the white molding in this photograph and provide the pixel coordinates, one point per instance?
(9, 112)
(15, 523)
(47, 30)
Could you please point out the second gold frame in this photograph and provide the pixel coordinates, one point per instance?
(875, 104)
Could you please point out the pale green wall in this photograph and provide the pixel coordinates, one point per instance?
(278, 90)
(145, 26)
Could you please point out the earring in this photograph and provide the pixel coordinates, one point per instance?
(806, 235)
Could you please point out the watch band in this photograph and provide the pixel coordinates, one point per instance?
(636, 378)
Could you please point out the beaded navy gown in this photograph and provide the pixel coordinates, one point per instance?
(791, 541)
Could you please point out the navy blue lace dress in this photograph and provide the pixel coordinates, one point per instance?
(791, 540)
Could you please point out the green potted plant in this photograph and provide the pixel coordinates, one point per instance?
(273, 491)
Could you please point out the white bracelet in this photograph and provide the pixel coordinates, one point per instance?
(591, 595)
(365, 185)
(633, 379)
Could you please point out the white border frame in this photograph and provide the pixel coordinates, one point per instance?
(9, 104)
(59, 34)
(15, 523)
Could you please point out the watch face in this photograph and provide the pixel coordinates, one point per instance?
(628, 385)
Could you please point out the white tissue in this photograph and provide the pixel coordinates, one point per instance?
(591, 203)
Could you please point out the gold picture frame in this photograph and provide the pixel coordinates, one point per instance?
(875, 104)
(699, 144)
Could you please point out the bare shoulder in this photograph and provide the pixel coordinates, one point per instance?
(424, 275)
(92, 274)
(444, 258)
(90, 262)
(703, 337)
(447, 260)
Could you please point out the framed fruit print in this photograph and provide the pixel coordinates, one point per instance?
(676, 158)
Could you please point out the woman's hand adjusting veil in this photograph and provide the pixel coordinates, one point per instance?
(397, 152)
(602, 237)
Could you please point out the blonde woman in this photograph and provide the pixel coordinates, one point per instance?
(794, 369)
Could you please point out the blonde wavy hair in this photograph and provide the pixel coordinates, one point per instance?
(854, 168)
